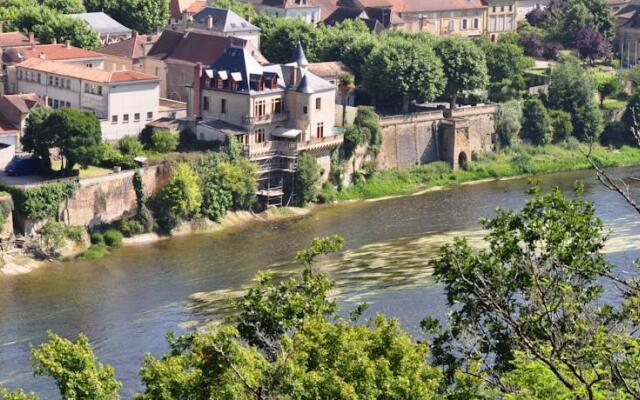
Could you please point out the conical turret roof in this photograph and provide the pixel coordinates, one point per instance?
(299, 56)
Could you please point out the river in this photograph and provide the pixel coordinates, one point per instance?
(128, 301)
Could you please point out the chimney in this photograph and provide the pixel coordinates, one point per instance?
(294, 76)
(67, 44)
(31, 37)
(196, 94)
(42, 56)
(210, 22)
(55, 41)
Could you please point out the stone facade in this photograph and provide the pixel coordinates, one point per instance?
(453, 136)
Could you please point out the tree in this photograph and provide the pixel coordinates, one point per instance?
(65, 6)
(346, 85)
(180, 198)
(307, 178)
(74, 368)
(245, 10)
(16, 395)
(536, 17)
(130, 146)
(49, 25)
(144, 16)
(77, 135)
(588, 122)
(528, 315)
(279, 37)
(240, 178)
(607, 85)
(561, 125)
(593, 45)
(505, 61)
(536, 125)
(37, 139)
(570, 87)
(532, 45)
(164, 141)
(508, 122)
(465, 67)
(402, 70)
(633, 76)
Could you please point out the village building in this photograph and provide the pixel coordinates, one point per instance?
(123, 101)
(9, 40)
(64, 53)
(109, 30)
(276, 111)
(465, 18)
(14, 110)
(629, 40)
(502, 17)
(223, 22)
(128, 54)
(524, 7)
(330, 71)
(181, 11)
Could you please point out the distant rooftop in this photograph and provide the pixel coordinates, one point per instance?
(11, 39)
(85, 73)
(54, 52)
(134, 47)
(224, 20)
(102, 23)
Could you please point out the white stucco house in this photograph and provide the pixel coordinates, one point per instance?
(123, 101)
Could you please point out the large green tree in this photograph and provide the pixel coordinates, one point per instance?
(77, 134)
(536, 124)
(402, 70)
(465, 66)
(144, 16)
(37, 139)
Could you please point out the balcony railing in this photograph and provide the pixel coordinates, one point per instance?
(291, 148)
(266, 118)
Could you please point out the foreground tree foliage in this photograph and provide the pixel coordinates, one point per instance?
(528, 315)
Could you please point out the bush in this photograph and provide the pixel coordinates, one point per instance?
(164, 141)
(307, 178)
(94, 252)
(179, 199)
(131, 227)
(74, 233)
(130, 146)
(97, 238)
(113, 238)
(536, 125)
(508, 122)
(328, 194)
(561, 125)
(111, 157)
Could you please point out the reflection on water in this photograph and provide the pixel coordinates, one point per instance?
(127, 302)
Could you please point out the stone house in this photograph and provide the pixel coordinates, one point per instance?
(629, 40)
(123, 101)
(445, 17)
(223, 22)
(502, 17)
(276, 111)
(14, 111)
(128, 54)
(58, 52)
(330, 71)
(9, 40)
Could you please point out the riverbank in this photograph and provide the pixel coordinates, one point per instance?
(513, 162)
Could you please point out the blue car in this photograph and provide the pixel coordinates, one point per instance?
(22, 166)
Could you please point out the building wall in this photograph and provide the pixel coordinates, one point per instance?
(309, 14)
(501, 17)
(130, 99)
(238, 105)
(158, 68)
(178, 76)
(116, 63)
(443, 23)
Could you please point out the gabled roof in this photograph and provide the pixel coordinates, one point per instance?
(344, 13)
(102, 23)
(329, 68)
(21, 102)
(12, 39)
(192, 47)
(85, 73)
(133, 48)
(224, 20)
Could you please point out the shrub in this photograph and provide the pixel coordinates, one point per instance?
(111, 157)
(561, 125)
(536, 125)
(131, 227)
(97, 238)
(113, 238)
(164, 141)
(130, 146)
(40, 202)
(307, 178)
(508, 122)
(94, 252)
(74, 233)
(328, 194)
(179, 199)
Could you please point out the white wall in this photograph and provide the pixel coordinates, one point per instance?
(131, 98)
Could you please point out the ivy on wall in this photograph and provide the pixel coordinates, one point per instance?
(40, 202)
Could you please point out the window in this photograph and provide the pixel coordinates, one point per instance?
(276, 106)
(56, 103)
(136, 117)
(476, 23)
(149, 116)
(205, 103)
(304, 109)
(114, 119)
(244, 139)
(223, 106)
(68, 83)
(50, 102)
(125, 119)
(100, 90)
(57, 81)
(510, 8)
(320, 130)
(464, 24)
(68, 105)
(318, 103)
(39, 78)
(86, 88)
(260, 108)
(89, 65)
(259, 136)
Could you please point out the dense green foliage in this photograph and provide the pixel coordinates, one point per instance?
(42, 201)
(465, 66)
(307, 179)
(164, 141)
(179, 199)
(508, 122)
(73, 366)
(144, 16)
(53, 236)
(113, 238)
(536, 124)
(561, 125)
(130, 146)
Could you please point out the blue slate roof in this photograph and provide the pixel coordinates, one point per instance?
(224, 20)
(102, 23)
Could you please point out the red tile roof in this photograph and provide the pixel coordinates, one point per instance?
(11, 39)
(22, 102)
(134, 47)
(80, 72)
(57, 52)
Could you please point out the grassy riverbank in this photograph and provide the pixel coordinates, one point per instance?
(520, 160)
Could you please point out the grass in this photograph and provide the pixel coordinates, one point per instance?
(89, 172)
(520, 160)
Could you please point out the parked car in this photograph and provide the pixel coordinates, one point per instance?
(21, 166)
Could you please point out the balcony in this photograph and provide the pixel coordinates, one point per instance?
(288, 148)
(265, 119)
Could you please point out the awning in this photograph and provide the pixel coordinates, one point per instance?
(237, 76)
(286, 133)
(223, 75)
(209, 73)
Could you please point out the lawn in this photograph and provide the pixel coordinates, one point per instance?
(89, 172)
(520, 160)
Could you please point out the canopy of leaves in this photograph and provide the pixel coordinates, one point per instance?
(465, 66)
(508, 122)
(180, 198)
(536, 124)
(307, 178)
(144, 16)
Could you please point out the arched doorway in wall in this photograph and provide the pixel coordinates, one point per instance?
(462, 160)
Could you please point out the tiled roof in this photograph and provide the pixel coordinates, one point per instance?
(11, 39)
(21, 102)
(134, 47)
(224, 20)
(102, 23)
(329, 68)
(56, 52)
(191, 47)
(196, 7)
(80, 72)
(177, 7)
(435, 5)
(376, 3)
